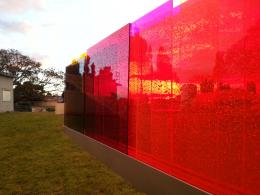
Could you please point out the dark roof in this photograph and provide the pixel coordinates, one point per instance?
(6, 75)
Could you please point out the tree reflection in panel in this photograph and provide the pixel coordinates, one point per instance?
(150, 87)
(73, 97)
(106, 90)
(194, 93)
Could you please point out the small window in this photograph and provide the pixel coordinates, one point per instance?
(6, 96)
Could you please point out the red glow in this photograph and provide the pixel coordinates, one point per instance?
(106, 90)
(185, 98)
(205, 129)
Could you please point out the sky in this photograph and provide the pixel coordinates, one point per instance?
(54, 32)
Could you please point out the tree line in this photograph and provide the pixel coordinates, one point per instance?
(31, 81)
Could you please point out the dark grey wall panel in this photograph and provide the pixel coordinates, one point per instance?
(140, 175)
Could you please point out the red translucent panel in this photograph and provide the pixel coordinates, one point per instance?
(106, 90)
(185, 98)
(194, 93)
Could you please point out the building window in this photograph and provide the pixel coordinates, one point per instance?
(6, 96)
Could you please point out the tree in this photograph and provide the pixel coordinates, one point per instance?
(52, 80)
(28, 92)
(22, 67)
(29, 75)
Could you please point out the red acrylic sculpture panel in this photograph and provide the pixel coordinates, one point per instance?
(73, 98)
(106, 90)
(194, 93)
(178, 89)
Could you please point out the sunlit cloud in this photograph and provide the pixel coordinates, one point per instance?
(178, 2)
(18, 6)
(55, 31)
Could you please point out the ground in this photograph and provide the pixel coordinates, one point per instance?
(37, 157)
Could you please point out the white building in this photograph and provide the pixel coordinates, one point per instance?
(6, 93)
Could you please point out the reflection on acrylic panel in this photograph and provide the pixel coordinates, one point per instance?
(185, 98)
(194, 93)
(106, 90)
(73, 98)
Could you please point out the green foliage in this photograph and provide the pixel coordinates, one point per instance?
(23, 106)
(28, 92)
(52, 80)
(50, 109)
(36, 157)
(24, 69)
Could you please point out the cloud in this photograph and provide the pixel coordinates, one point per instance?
(40, 57)
(18, 6)
(14, 26)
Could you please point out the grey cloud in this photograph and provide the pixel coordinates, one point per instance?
(14, 26)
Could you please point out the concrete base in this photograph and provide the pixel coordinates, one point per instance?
(143, 177)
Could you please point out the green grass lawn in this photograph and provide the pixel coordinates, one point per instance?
(37, 157)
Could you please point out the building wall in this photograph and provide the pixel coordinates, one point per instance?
(59, 108)
(6, 84)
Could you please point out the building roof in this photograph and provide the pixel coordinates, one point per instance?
(6, 75)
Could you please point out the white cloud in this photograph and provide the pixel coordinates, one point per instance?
(59, 30)
(178, 2)
(18, 6)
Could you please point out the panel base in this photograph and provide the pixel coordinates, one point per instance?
(143, 177)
